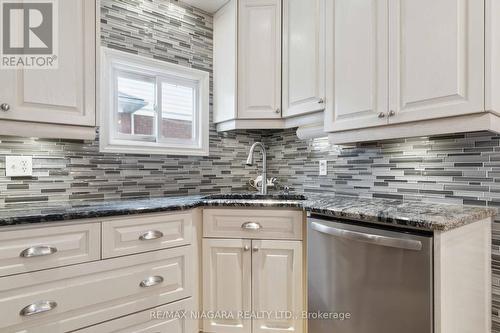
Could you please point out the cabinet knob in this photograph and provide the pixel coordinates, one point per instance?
(392, 113)
(278, 110)
(246, 248)
(5, 107)
(38, 251)
(255, 249)
(381, 115)
(37, 308)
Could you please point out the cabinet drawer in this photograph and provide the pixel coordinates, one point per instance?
(92, 293)
(29, 250)
(253, 223)
(130, 235)
(162, 319)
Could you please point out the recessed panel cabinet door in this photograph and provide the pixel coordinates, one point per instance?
(227, 284)
(356, 53)
(303, 56)
(436, 58)
(259, 59)
(277, 282)
(65, 95)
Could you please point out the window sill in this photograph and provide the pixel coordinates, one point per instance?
(152, 149)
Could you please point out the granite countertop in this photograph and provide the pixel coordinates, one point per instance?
(424, 216)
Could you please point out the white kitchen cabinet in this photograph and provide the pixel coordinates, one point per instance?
(259, 63)
(412, 68)
(155, 232)
(303, 56)
(261, 272)
(72, 287)
(357, 82)
(227, 284)
(492, 38)
(90, 293)
(156, 320)
(271, 224)
(436, 60)
(277, 285)
(247, 61)
(258, 276)
(24, 251)
(41, 98)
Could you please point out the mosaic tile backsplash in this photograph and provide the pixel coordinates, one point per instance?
(457, 169)
(73, 170)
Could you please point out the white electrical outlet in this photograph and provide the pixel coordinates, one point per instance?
(18, 166)
(323, 167)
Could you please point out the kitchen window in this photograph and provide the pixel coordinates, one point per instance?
(152, 107)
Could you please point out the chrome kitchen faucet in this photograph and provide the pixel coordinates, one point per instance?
(250, 162)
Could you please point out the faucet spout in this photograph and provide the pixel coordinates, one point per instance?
(250, 162)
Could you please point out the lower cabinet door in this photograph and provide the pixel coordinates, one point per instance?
(277, 286)
(226, 285)
(171, 318)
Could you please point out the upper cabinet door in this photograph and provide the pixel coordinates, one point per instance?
(65, 95)
(225, 62)
(227, 284)
(357, 64)
(278, 287)
(303, 56)
(259, 59)
(436, 58)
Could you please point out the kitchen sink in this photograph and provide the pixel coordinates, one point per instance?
(255, 196)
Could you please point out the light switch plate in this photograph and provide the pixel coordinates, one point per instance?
(323, 167)
(18, 166)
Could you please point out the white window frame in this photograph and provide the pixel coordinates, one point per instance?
(113, 142)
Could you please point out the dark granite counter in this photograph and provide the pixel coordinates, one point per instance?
(418, 215)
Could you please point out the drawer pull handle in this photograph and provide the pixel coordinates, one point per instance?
(151, 281)
(38, 251)
(37, 308)
(251, 226)
(151, 235)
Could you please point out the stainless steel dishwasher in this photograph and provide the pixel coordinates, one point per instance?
(378, 277)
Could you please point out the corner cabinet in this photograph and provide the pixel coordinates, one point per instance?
(246, 270)
(227, 283)
(256, 44)
(247, 62)
(57, 102)
(395, 76)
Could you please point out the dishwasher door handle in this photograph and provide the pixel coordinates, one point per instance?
(400, 243)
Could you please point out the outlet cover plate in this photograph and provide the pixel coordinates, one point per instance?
(323, 167)
(18, 166)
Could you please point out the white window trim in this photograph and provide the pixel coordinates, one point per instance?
(113, 59)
